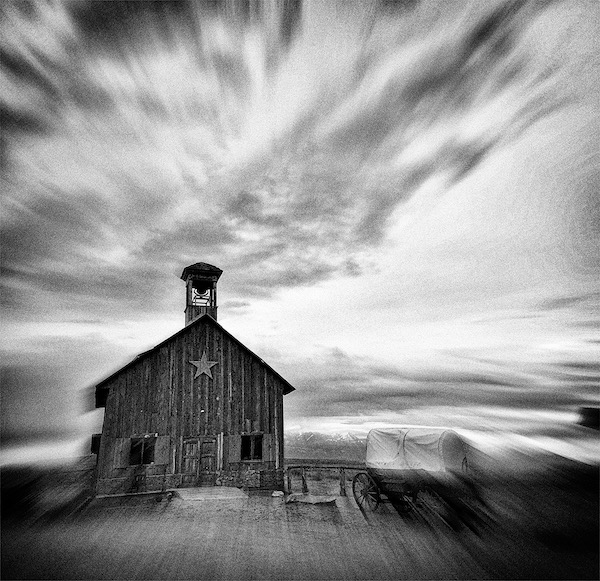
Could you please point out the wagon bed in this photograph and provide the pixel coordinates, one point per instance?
(403, 462)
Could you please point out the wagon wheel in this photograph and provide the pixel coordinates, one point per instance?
(366, 492)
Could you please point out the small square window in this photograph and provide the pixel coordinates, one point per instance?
(142, 451)
(252, 447)
(96, 443)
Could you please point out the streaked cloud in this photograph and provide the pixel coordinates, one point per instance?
(174, 128)
(337, 382)
(402, 195)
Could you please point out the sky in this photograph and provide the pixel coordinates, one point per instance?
(403, 197)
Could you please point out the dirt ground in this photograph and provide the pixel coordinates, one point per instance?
(527, 533)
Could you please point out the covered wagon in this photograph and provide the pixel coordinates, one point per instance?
(405, 461)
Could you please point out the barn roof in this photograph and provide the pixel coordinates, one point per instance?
(201, 268)
(288, 388)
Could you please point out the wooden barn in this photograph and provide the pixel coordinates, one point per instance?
(199, 409)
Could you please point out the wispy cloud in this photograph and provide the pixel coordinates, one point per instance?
(336, 383)
(141, 134)
(290, 143)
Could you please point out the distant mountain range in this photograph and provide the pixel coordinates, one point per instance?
(317, 446)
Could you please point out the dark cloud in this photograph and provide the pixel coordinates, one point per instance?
(39, 59)
(233, 304)
(591, 300)
(108, 22)
(346, 399)
(113, 25)
(53, 246)
(26, 72)
(300, 210)
(14, 120)
(581, 377)
(583, 368)
(396, 5)
(192, 238)
(338, 384)
(35, 402)
(43, 393)
(558, 432)
(260, 279)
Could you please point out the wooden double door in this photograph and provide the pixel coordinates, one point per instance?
(199, 461)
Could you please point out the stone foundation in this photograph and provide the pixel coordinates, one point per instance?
(246, 478)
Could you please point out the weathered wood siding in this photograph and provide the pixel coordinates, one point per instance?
(159, 395)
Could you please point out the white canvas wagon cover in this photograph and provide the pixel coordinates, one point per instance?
(430, 449)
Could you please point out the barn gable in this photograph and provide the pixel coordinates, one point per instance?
(102, 388)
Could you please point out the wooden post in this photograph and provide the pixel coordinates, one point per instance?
(342, 482)
(304, 485)
(289, 481)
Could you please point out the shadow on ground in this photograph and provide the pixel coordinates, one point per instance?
(539, 525)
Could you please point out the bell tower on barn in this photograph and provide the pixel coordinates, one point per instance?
(201, 290)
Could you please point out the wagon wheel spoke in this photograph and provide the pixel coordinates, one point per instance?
(366, 492)
(361, 500)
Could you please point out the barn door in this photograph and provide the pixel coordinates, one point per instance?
(190, 462)
(199, 461)
(208, 470)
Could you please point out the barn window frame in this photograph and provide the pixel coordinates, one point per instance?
(251, 448)
(143, 449)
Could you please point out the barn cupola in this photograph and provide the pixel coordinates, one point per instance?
(201, 290)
